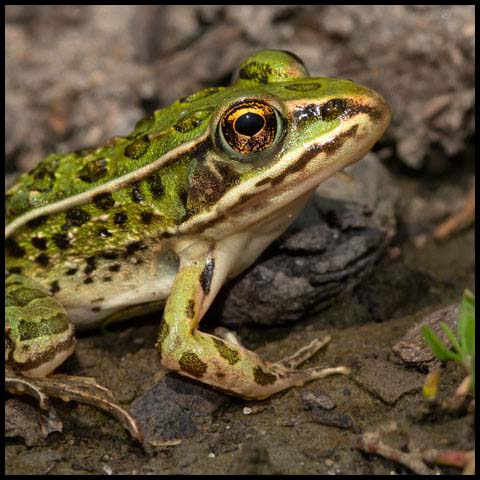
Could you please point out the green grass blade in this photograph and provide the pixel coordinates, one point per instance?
(466, 324)
(437, 347)
(451, 336)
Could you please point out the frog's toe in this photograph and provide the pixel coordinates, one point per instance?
(18, 384)
(66, 387)
(297, 378)
(304, 353)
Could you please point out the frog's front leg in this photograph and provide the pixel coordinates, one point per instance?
(230, 367)
(38, 338)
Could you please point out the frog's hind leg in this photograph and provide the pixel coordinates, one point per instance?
(38, 338)
(223, 364)
(38, 334)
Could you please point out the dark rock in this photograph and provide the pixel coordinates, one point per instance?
(317, 400)
(327, 251)
(176, 408)
(30, 423)
(331, 419)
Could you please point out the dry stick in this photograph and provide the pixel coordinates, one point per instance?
(462, 219)
(370, 442)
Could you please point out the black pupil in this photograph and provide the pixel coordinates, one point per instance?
(249, 124)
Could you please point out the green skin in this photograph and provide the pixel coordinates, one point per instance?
(166, 215)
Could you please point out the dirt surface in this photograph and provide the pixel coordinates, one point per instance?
(78, 75)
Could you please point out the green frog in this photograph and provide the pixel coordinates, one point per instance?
(163, 217)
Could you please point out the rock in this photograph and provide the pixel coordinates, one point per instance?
(328, 250)
(317, 400)
(176, 408)
(30, 423)
(412, 349)
(387, 381)
(331, 419)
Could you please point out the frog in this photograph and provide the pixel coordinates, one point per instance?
(159, 220)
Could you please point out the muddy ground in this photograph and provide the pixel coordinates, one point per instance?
(76, 97)
(281, 434)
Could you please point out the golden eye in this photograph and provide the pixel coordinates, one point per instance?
(250, 126)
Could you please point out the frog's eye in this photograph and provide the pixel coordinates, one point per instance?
(250, 126)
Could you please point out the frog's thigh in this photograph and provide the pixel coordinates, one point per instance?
(38, 335)
(207, 358)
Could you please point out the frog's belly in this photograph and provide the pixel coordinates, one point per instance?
(121, 305)
(140, 290)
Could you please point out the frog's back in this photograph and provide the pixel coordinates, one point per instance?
(78, 214)
(62, 176)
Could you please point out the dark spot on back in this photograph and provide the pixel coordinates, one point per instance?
(192, 121)
(104, 233)
(155, 185)
(138, 148)
(43, 259)
(13, 248)
(103, 201)
(135, 193)
(119, 218)
(39, 242)
(76, 217)
(37, 222)
(88, 280)
(114, 268)
(71, 271)
(15, 270)
(61, 240)
(93, 170)
(96, 309)
(146, 217)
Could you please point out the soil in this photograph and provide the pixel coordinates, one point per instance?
(104, 76)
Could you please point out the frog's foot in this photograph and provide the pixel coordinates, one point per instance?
(286, 369)
(81, 389)
(38, 338)
(223, 363)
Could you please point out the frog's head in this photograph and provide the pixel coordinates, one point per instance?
(284, 132)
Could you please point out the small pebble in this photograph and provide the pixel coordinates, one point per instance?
(247, 410)
(318, 400)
